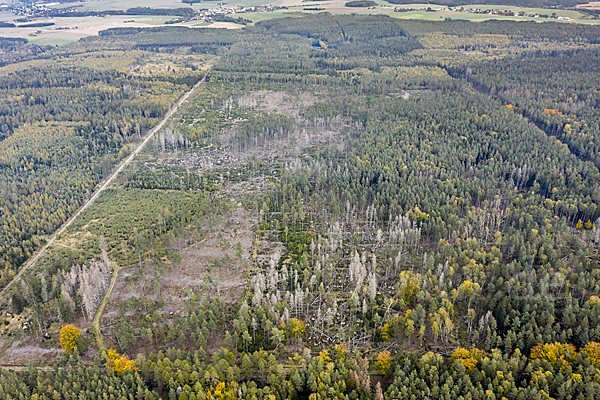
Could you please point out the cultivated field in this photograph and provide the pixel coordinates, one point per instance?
(591, 5)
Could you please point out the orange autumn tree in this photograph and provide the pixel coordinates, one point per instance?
(68, 338)
(119, 363)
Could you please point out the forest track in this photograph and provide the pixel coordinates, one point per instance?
(100, 309)
(102, 188)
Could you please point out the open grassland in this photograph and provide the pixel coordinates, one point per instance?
(257, 17)
(48, 41)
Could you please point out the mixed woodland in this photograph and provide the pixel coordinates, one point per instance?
(424, 203)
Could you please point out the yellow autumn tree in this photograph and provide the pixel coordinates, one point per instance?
(341, 351)
(385, 332)
(409, 284)
(467, 357)
(221, 392)
(384, 362)
(119, 363)
(554, 352)
(297, 328)
(592, 352)
(324, 356)
(68, 338)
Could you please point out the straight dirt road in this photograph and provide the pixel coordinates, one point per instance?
(100, 310)
(101, 189)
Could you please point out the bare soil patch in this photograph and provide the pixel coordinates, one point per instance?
(280, 102)
(21, 352)
(196, 271)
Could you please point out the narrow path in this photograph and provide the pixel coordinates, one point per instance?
(102, 188)
(65, 245)
(100, 310)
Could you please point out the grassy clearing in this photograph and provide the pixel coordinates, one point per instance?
(48, 41)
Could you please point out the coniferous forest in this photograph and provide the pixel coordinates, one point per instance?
(345, 207)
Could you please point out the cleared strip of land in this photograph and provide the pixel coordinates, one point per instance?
(101, 189)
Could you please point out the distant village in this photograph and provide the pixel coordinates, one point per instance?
(26, 12)
(208, 15)
(507, 13)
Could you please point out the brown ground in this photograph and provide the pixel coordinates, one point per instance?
(21, 352)
(167, 62)
(196, 266)
(591, 4)
(226, 156)
(280, 102)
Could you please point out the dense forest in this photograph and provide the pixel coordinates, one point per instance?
(423, 199)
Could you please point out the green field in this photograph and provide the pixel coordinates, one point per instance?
(48, 41)
(257, 17)
(6, 16)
